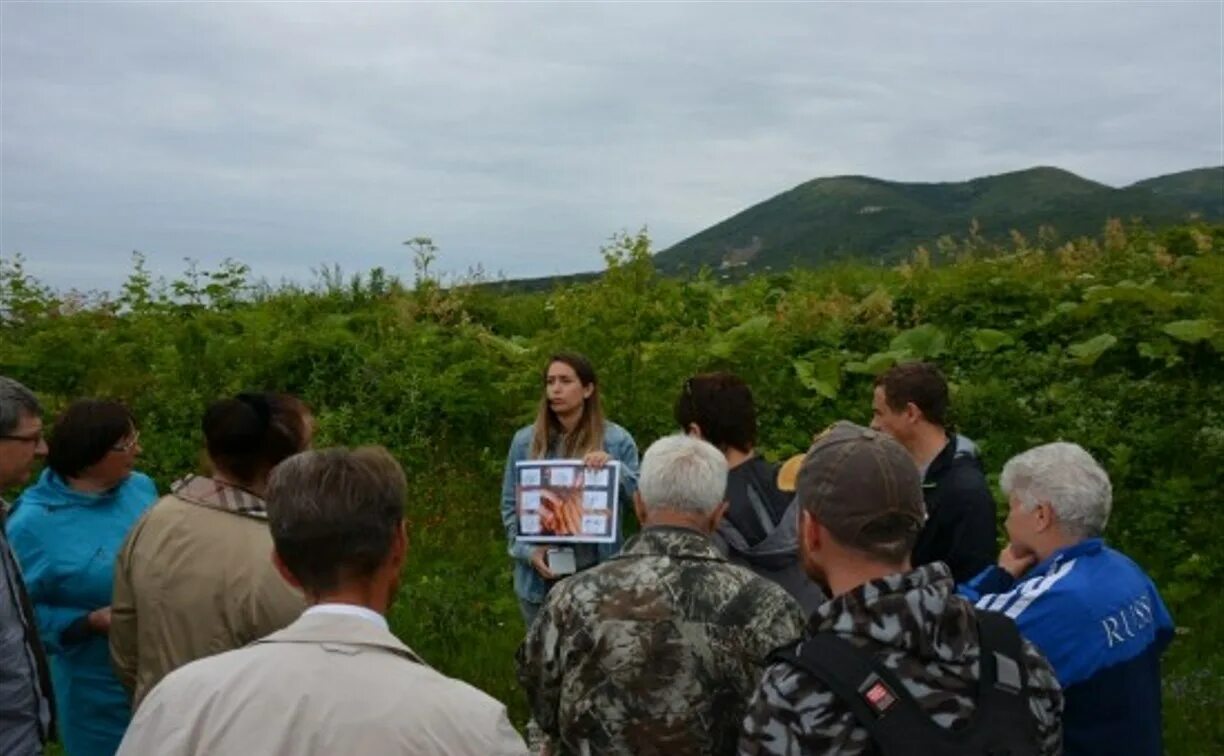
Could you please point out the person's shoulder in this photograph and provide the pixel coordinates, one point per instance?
(203, 677)
(465, 716)
(1101, 583)
(965, 472)
(786, 690)
(29, 510)
(34, 496)
(614, 433)
(602, 580)
(752, 586)
(520, 442)
(142, 482)
(771, 602)
(1117, 562)
(464, 696)
(766, 591)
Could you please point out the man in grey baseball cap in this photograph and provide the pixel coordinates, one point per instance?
(896, 660)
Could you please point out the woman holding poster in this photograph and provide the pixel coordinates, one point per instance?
(569, 425)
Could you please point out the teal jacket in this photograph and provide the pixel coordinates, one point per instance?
(66, 542)
(528, 585)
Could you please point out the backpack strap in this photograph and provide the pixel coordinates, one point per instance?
(1003, 684)
(893, 718)
(880, 703)
(1002, 664)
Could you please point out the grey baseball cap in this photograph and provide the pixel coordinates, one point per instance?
(855, 480)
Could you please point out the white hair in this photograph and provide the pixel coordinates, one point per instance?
(1066, 477)
(684, 474)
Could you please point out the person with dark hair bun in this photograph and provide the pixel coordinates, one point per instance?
(65, 531)
(195, 576)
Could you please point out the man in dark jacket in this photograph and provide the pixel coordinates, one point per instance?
(25, 682)
(759, 529)
(911, 404)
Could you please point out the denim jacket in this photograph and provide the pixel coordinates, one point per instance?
(528, 584)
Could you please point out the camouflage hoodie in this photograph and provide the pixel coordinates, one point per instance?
(655, 651)
(918, 627)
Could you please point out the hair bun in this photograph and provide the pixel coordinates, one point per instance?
(259, 403)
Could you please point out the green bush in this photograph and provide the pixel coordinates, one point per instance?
(1114, 343)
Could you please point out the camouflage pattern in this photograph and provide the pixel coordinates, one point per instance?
(655, 651)
(921, 629)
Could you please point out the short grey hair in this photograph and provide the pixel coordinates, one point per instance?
(333, 513)
(16, 402)
(1069, 479)
(683, 474)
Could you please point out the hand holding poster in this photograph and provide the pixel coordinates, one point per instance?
(564, 501)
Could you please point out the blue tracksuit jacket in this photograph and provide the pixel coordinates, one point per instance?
(1100, 621)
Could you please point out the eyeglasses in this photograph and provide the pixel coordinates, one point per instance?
(127, 446)
(37, 438)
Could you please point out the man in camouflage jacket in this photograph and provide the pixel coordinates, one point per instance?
(657, 650)
(862, 509)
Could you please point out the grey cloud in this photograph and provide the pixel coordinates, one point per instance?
(522, 136)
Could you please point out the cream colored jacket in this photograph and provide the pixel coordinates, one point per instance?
(192, 580)
(327, 684)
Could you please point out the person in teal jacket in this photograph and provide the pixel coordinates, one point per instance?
(65, 531)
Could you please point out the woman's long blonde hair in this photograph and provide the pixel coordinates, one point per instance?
(588, 435)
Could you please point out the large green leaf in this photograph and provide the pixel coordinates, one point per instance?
(751, 330)
(822, 375)
(1160, 350)
(990, 340)
(877, 363)
(922, 341)
(1190, 331)
(1088, 352)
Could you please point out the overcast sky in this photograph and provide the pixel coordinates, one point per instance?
(292, 135)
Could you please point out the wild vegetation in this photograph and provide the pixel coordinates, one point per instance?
(1114, 342)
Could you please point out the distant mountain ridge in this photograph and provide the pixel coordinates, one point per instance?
(859, 217)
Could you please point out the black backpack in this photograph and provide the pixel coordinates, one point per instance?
(1002, 723)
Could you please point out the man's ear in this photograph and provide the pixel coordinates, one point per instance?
(912, 413)
(809, 529)
(639, 507)
(399, 545)
(694, 430)
(1045, 516)
(717, 515)
(283, 569)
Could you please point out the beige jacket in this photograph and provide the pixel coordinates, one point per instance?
(327, 684)
(194, 578)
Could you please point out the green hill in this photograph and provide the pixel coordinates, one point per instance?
(1201, 191)
(829, 219)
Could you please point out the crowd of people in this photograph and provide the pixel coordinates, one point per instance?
(853, 599)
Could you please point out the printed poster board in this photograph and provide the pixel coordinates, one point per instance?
(564, 501)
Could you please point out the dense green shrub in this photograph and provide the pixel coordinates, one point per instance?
(1114, 343)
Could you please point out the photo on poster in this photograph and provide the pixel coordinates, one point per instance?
(530, 476)
(597, 499)
(597, 478)
(529, 524)
(563, 501)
